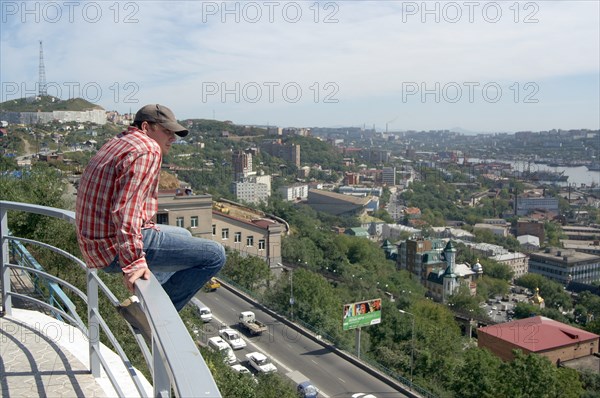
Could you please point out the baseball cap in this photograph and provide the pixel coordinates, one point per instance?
(160, 114)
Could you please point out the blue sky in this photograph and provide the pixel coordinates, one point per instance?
(479, 66)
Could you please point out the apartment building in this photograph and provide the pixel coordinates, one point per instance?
(526, 205)
(294, 192)
(288, 152)
(253, 189)
(564, 266)
(248, 231)
(388, 176)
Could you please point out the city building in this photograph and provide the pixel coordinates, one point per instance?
(193, 212)
(484, 249)
(564, 266)
(554, 340)
(294, 192)
(419, 256)
(412, 213)
(445, 279)
(361, 191)
(528, 204)
(248, 231)
(358, 232)
(336, 203)
(253, 189)
(529, 243)
(573, 232)
(304, 172)
(517, 262)
(531, 227)
(496, 229)
(452, 233)
(584, 246)
(242, 164)
(351, 178)
(97, 116)
(388, 176)
(288, 152)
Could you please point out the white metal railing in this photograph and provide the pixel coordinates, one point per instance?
(174, 360)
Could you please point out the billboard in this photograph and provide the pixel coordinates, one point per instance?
(363, 313)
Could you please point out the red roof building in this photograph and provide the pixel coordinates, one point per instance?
(557, 341)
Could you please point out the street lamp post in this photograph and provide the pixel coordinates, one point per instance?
(412, 349)
(292, 300)
(292, 294)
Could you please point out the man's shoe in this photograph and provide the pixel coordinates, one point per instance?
(131, 310)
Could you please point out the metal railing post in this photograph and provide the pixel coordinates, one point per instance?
(93, 323)
(160, 376)
(4, 270)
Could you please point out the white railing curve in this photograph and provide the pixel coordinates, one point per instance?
(173, 359)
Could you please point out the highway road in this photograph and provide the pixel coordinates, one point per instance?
(289, 350)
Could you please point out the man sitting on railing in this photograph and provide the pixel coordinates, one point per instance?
(117, 199)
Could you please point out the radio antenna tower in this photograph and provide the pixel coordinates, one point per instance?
(42, 77)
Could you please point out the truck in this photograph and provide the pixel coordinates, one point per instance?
(212, 285)
(248, 321)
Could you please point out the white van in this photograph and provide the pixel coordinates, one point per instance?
(203, 311)
(217, 344)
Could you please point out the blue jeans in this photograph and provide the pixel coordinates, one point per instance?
(181, 262)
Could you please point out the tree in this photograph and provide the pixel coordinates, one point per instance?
(552, 292)
(249, 272)
(535, 376)
(438, 343)
(525, 310)
(496, 270)
(463, 302)
(478, 375)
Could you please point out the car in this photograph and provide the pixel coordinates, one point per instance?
(494, 308)
(240, 369)
(260, 362)
(205, 314)
(233, 338)
(217, 344)
(306, 389)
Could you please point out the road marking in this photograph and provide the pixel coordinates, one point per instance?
(342, 380)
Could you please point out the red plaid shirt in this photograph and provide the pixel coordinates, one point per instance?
(116, 198)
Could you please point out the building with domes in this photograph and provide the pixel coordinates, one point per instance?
(445, 280)
(537, 300)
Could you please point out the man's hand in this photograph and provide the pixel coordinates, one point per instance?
(129, 279)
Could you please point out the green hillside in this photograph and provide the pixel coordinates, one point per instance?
(46, 104)
(215, 127)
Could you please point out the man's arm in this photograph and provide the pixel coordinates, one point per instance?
(136, 181)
